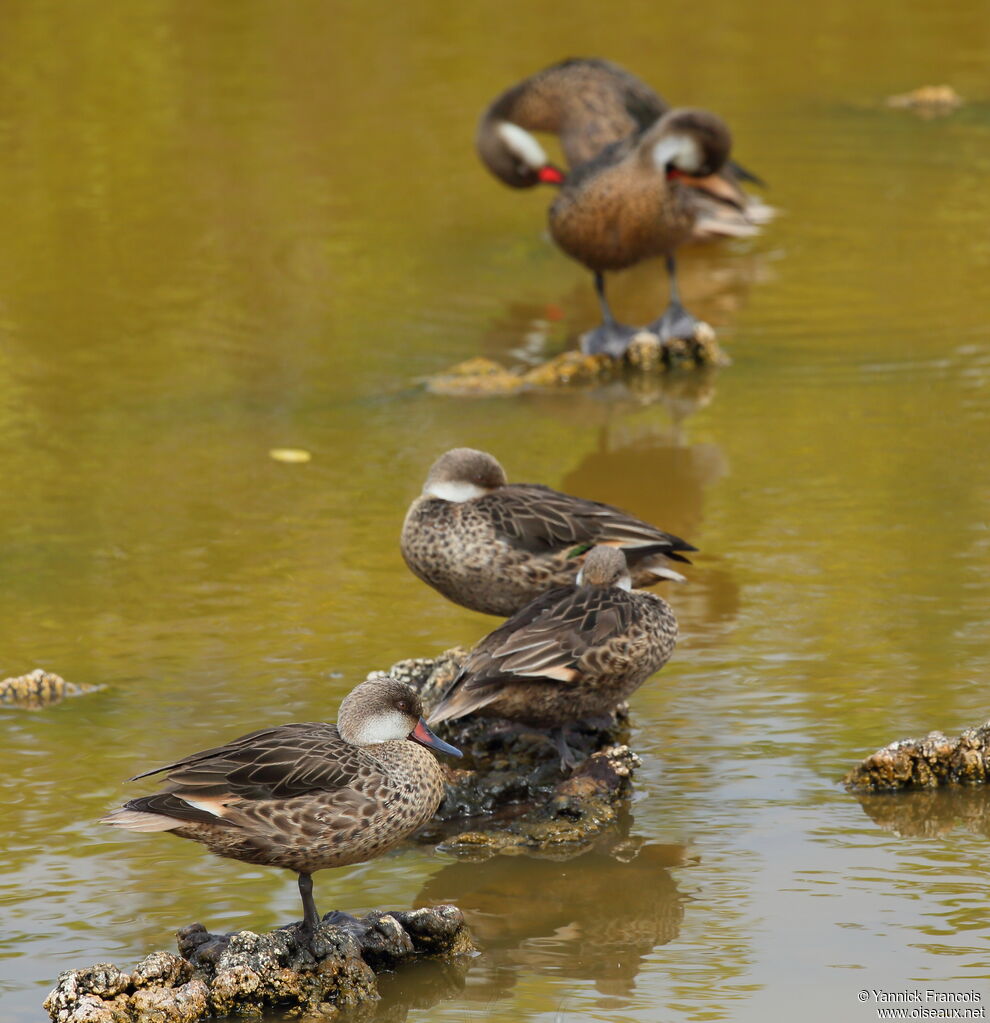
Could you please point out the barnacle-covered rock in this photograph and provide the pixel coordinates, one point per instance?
(925, 763)
(38, 689)
(248, 974)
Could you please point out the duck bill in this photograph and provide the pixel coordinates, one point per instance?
(715, 186)
(548, 174)
(425, 737)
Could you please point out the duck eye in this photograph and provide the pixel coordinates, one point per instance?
(402, 705)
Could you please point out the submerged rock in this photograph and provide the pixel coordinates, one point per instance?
(247, 973)
(39, 689)
(925, 763)
(512, 781)
(647, 356)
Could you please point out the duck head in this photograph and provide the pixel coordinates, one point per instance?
(382, 709)
(462, 474)
(691, 147)
(515, 156)
(605, 566)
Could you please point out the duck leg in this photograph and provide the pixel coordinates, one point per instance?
(676, 320)
(311, 917)
(611, 338)
(568, 758)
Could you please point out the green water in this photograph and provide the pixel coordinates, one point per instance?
(234, 227)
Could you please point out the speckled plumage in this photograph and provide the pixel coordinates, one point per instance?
(498, 551)
(302, 796)
(573, 653)
(621, 208)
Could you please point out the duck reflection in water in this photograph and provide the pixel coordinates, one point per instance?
(594, 917)
(656, 473)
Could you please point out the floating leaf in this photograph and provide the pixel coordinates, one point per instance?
(294, 456)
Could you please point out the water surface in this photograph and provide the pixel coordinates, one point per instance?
(229, 228)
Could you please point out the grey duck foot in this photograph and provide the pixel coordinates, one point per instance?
(568, 758)
(676, 322)
(608, 339)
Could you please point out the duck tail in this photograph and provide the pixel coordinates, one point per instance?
(139, 820)
(462, 699)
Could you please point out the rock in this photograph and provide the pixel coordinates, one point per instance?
(925, 763)
(247, 974)
(647, 357)
(39, 689)
(928, 100)
(476, 378)
(512, 778)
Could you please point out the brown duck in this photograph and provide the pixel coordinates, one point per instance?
(627, 198)
(493, 546)
(572, 654)
(306, 796)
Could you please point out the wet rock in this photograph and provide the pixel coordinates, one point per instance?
(647, 357)
(479, 377)
(928, 100)
(511, 780)
(39, 689)
(247, 974)
(925, 763)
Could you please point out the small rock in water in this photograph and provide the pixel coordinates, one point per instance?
(928, 100)
(925, 763)
(477, 378)
(39, 689)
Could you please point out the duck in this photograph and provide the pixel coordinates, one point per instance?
(600, 112)
(572, 654)
(589, 104)
(308, 796)
(636, 200)
(494, 546)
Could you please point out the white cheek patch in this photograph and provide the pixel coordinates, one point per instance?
(681, 151)
(455, 492)
(382, 728)
(521, 144)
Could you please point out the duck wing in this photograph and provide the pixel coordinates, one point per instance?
(273, 763)
(537, 519)
(546, 640)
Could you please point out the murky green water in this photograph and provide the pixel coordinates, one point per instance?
(233, 227)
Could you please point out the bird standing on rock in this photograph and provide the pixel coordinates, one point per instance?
(634, 190)
(306, 796)
(493, 546)
(572, 654)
